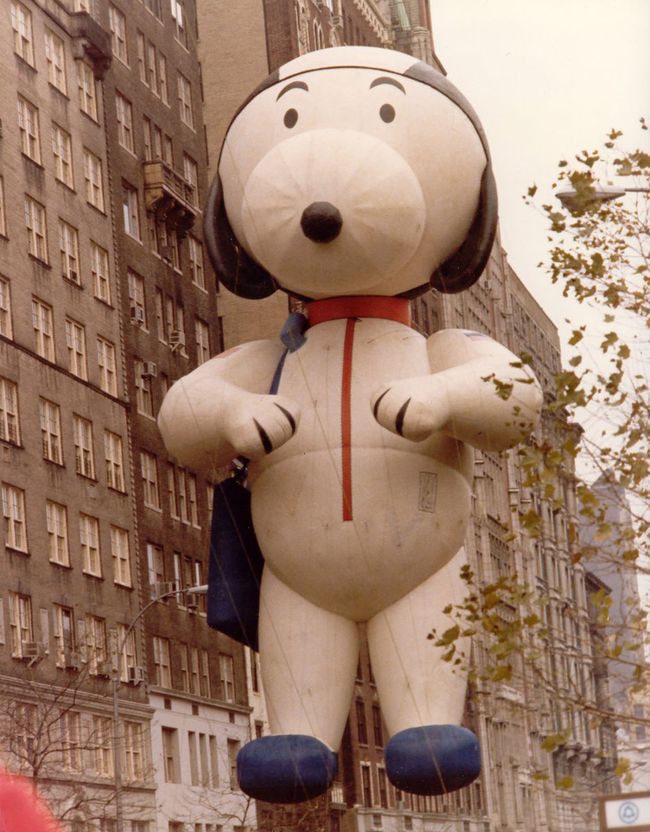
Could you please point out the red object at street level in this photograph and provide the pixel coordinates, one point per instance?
(21, 809)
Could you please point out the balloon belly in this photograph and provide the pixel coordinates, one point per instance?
(409, 517)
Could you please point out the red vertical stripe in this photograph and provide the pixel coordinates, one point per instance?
(346, 420)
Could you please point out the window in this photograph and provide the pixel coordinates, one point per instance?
(227, 677)
(113, 456)
(155, 567)
(3, 213)
(134, 750)
(149, 473)
(82, 430)
(91, 562)
(161, 661)
(6, 327)
(43, 329)
(21, 23)
(362, 729)
(153, 6)
(196, 262)
(87, 89)
(93, 180)
(366, 791)
(137, 299)
(55, 58)
(152, 68)
(185, 101)
(13, 509)
(377, 727)
(179, 21)
(205, 673)
(143, 394)
(30, 142)
(69, 248)
(50, 415)
(62, 150)
(130, 211)
(142, 61)
(124, 122)
(57, 533)
(383, 787)
(175, 323)
(162, 78)
(171, 755)
(75, 337)
(117, 23)
(102, 728)
(202, 340)
(106, 364)
(121, 556)
(99, 270)
(36, 229)
(126, 639)
(96, 644)
(233, 751)
(20, 623)
(194, 670)
(63, 635)
(191, 174)
(9, 421)
(184, 653)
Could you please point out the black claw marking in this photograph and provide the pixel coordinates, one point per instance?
(290, 418)
(264, 437)
(399, 419)
(375, 409)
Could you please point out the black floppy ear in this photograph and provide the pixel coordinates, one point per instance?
(463, 269)
(235, 269)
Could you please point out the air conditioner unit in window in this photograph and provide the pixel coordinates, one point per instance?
(191, 601)
(163, 588)
(33, 650)
(71, 659)
(176, 339)
(137, 315)
(165, 252)
(136, 675)
(73, 276)
(149, 369)
(105, 669)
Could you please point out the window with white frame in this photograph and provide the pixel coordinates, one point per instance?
(50, 417)
(121, 556)
(227, 677)
(171, 490)
(195, 672)
(233, 751)
(184, 664)
(100, 273)
(114, 460)
(36, 229)
(87, 89)
(62, 150)
(178, 16)
(126, 645)
(117, 24)
(155, 566)
(21, 23)
(102, 744)
(130, 211)
(93, 180)
(70, 727)
(64, 641)
(202, 333)
(42, 323)
(75, 338)
(21, 628)
(161, 661)
(149, 474)
(13, 509)
(55, 59)
(96, 652)
(91, 561)
(143, 392)
(185, 101)
(30, 142)
(195, 248)
(69, 249)
(205, 672)
(9, 418)
(175, 321)
(124, 122)
(162, 78)
(191, 174)
(142, 57)
(6, 326)
(82, 431)
(152, 68)
(137, 298)
(107, 366)
(192, 504)
(57, 533)
(171, 756)
(134, 735)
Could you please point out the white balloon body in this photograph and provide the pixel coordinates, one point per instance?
(368, 525)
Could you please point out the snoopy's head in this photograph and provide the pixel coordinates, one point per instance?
(352, 171)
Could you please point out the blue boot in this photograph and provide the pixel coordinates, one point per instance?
(433, 759)
(285, 769)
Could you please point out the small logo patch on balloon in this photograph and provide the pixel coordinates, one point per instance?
(428, 489)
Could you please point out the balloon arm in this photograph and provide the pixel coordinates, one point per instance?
(223, 409)
(479, 393)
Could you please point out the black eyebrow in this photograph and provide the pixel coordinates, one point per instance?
(385, 80)
(294, 85)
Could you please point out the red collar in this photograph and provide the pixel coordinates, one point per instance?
(359, 306)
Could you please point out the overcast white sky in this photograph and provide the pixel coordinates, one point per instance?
(547, 78)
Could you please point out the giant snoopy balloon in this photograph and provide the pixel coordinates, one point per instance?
(354, 178)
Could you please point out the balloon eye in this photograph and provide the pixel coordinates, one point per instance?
(387, 112)
(290, 118)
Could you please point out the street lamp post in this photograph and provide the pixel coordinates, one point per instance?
(115, 685)
(594, 196)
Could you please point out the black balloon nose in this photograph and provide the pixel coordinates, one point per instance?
(321, 222)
